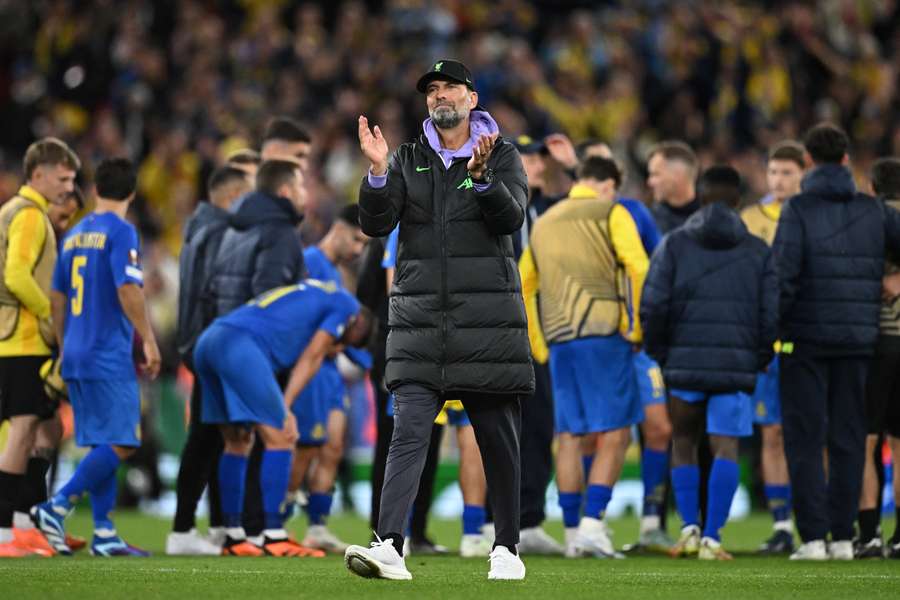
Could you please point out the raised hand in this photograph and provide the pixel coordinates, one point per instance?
(373, 146)
(561, 150)
(481, 152)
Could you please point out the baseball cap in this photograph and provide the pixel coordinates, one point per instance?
(446, 70)
(526, 144)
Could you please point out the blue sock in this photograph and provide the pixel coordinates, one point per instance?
(103, 500)
(778, 497)
(318, 508)
(97, 466)
(686, 485)
(654, 465)
(473, 518)
(274, 474)
(597, 498)
(723, 481)
(232, 473)
(587, 461)
(570, 503)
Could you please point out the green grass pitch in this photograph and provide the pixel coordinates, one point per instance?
(635, 578)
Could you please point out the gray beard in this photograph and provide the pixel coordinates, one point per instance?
(445, 117)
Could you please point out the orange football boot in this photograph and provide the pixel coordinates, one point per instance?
(33, 541)
(12, 550)
(288, 547)
(75, 543)
(234, 547)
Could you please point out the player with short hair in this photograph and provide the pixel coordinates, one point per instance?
(320, 409)
(709, 316)
(286, 139)
(585, 310)
(784, 171)
(97, 304)
(236, 359)
(28, 253)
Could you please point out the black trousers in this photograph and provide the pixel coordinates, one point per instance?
(425, 493)
(497, 421)
(536, 448)
(823, 407)
(198, 470)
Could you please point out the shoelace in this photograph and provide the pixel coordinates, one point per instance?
(380, 543)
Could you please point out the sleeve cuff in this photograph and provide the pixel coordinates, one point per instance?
(479, 187)
(377, 181)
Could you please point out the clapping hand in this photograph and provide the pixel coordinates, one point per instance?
(373, 146)
(481, 152)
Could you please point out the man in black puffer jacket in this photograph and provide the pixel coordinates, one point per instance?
(829, 252)
(709, 318)
(457, 319)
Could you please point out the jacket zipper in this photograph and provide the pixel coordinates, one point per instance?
(444, 273)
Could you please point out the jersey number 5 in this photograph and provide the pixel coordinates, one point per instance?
(78, 264)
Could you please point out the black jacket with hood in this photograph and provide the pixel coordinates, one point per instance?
(709, 304)
(261, 250)
(457, 317)
(830, 252)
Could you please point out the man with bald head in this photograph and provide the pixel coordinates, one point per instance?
(672, 170)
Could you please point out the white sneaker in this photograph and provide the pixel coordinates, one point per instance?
(380, 560)
(572, 549)
(505, 565)
(842, 550)
(593, 537)
(216, 536)
(534, 540)
(474, 545)
(488, 531)
(319, 537)
(190, 544)
(814, 550)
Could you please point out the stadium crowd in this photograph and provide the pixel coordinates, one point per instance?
(591, 99)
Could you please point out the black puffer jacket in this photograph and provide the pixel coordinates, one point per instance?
(830, 251)
(260, 251)
(202, 236)
(709, 304)
(457, 318)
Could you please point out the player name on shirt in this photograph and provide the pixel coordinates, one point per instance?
(88, 240)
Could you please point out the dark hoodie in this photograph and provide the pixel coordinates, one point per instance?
(202, 236)
(709, 304)
(261, 250)
(830, 251)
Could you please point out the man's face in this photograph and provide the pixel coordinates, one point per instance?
(666, 177)
(54, 182)
(449, 103)
(297, 152)
(783, 178)
(60, 214)
(295, 191)
(351, 242)
(534, 169)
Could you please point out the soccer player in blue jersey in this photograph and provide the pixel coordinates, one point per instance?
(236, 359)
(97, 304)
(320, 410)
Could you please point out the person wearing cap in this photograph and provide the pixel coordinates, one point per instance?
(457, 320)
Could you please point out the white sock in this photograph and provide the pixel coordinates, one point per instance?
(22, 521)
(236, 533)
(275, 534)
(650, 523)
(782, 526)
(102, 532)
(570, 534)
(5, 535)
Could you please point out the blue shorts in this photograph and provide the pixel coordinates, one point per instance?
(651, 386)
(766, 398)
(324, 393)
(594, 387)
(106, 411)
(726, 414)
(237, 379)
